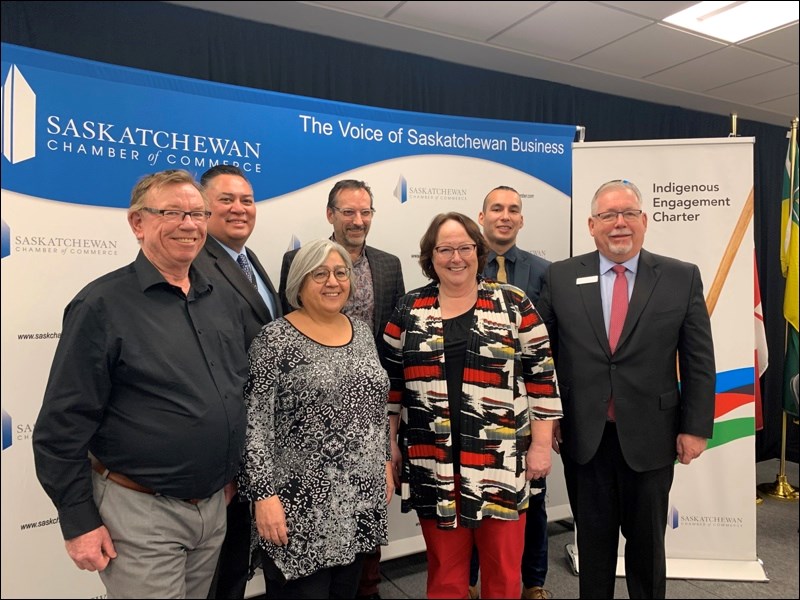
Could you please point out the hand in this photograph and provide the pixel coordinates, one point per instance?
(556, 443)
(93, 550)
(537, 460)
(271, 520)
(397, 464)
(389, 481)
(689, 447)
(230, 492)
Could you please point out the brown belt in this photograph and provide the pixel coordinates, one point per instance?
(129, 483)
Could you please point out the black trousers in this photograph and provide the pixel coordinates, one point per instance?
(230, 579)
(333, 582)
(606, 497)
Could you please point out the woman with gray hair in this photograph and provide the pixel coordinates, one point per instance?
(317, 459)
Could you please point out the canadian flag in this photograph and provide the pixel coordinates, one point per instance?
(761, 352)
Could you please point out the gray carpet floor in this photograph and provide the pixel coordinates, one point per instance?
(776, 546)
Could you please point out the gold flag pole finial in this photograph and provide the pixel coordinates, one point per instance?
(781, 489)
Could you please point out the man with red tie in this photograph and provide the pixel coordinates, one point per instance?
(620, 321)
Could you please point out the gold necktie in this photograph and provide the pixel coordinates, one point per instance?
(501, 269)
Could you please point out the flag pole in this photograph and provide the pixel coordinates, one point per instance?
(781, 489)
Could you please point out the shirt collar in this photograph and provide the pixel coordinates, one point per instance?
(605, 264)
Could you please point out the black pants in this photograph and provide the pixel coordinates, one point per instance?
(230, 579)
(607, 496)
(333, 582)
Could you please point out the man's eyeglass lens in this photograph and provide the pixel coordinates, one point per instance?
(611, 216)
(198, 216)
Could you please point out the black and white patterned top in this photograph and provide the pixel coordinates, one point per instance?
(317, 436)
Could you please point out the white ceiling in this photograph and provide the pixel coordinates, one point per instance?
(619, 48)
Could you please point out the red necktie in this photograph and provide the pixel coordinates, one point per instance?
(619, 309)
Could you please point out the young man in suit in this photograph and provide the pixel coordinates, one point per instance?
(501, 219)
(626, 326)
(379, 285)
(227, 261)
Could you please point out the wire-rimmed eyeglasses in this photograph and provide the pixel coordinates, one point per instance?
(464, 251)
(322, 274)
(171, 215)
(350, 213)
(612, 215)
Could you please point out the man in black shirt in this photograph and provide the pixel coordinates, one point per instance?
(143, 421)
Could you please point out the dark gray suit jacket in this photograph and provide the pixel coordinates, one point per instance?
(387, 285)
(218, 266)
(528, 271)
(667, 318)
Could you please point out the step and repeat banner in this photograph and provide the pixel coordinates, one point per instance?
(698, 196)
(77, 135)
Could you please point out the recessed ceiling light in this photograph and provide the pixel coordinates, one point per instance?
(735, 21)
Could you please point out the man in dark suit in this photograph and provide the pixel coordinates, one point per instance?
(225, 260)
(501, 219)
(379, 285)
(626, 417)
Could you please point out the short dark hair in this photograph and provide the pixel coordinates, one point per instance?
(218, 170)
(348, 184)
(505, 188)
(428, 242)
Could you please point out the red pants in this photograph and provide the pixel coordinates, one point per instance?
(500, 545)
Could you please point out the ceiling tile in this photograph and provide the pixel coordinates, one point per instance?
(566, 30)
(787, 106)
(781, 44)
(762, 88)
(647, 51)
(471, 20)
(652, 10)
(716, 69)
(371, 9)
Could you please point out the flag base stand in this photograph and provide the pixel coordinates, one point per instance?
(780, 489)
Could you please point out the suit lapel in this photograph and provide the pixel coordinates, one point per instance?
(262, 272)
(646, 278)
(378, 288)
(522, 272)
(236, 277)
(590, 295)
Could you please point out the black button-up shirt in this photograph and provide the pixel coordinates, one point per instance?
(150, 381)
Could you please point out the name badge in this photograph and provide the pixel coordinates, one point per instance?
(585, 280)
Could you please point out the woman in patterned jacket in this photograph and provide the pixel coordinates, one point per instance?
(473, 383)
(317, 457)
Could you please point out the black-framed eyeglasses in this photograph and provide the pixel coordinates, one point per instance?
(171, 215)
(612, 215)
(350, 213)
(465, 250)
(322, 274)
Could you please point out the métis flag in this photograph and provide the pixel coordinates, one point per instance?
(789, 268)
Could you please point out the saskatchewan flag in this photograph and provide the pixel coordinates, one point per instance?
(789, 268)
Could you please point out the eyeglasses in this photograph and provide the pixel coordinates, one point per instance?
(350, 213)
(198, 216)
(465, 251)
(322, 274)
(611, 216)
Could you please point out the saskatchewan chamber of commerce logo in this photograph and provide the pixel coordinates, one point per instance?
(19, 118)
(6, 427)
(98, 139)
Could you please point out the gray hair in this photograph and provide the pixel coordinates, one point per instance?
(309, 257)
(155, 181)
(622, 184)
